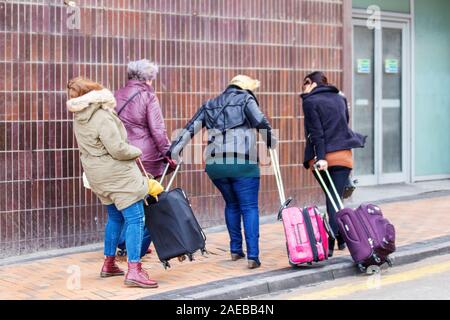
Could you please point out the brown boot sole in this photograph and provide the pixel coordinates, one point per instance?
(236, 257)
(109, 275)
(253, 265)
(132, 283)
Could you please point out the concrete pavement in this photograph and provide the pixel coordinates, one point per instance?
(76, 275)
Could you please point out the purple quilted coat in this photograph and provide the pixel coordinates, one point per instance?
(144, 122)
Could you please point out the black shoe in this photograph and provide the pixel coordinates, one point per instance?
(341, 243)
(331, 244)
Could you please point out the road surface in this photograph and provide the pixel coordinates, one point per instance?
(425, 280)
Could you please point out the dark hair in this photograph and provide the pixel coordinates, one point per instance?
(317, 77)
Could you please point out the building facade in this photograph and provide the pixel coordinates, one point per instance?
(199, 44)
(400, 70)
(393, 72)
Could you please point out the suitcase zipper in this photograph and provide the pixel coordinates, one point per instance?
(369, 239)
(320, 234)
(370, 234)
(311, 235)
(382, 243)
(366, 229)
(299, 238)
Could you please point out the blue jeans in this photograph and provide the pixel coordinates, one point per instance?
(133, 220)
(241, 198)
(146, 240)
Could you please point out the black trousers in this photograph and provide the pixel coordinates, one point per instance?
(340, 176)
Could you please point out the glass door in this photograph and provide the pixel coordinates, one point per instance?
(379, 90)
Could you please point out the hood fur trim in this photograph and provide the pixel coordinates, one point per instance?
(103, 97)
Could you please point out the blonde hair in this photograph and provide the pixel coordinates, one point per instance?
(245, 82)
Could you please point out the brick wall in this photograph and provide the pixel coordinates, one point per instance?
(199, 44)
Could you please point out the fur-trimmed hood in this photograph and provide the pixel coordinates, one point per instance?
(84, 107)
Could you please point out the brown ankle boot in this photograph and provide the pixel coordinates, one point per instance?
(110, 268)
(137, 277)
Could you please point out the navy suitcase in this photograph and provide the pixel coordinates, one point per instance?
(173, 226)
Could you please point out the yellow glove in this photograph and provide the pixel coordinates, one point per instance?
(154, 188)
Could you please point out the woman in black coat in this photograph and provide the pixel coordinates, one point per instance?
(329, 139)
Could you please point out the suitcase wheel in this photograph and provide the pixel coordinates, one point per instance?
(373, 270)
(309, 263)
(191, 257)
(166, 264)
(122, 253)
(362, 268)
(377, 259)
(204, 252)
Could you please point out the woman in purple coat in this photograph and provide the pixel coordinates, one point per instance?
(139, 109)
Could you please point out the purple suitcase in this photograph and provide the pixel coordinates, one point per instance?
(369, 236)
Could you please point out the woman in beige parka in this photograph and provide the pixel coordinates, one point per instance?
(110, 167)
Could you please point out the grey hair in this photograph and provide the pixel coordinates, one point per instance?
(143, 70)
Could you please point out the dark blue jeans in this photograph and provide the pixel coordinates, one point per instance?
(241, 198)
(340, 176)
(146, 241)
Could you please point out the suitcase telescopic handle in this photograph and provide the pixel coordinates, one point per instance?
(284, 203)
(146, 174)
(173, 176)
(164, 173)
(278, 177)
(327, 190)
(283, 206)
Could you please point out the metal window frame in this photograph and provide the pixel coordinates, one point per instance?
(405, 23)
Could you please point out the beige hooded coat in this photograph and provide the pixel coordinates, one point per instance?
(107, 158)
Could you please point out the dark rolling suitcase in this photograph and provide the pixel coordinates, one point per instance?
(369, 236)
(173, 227)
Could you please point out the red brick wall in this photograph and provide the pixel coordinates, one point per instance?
(199, 44)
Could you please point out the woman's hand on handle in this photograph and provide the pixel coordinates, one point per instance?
(321, 165)
(172, 163)
(154, 188)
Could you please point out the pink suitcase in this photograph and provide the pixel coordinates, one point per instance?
(306, 235)
(306, 230)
